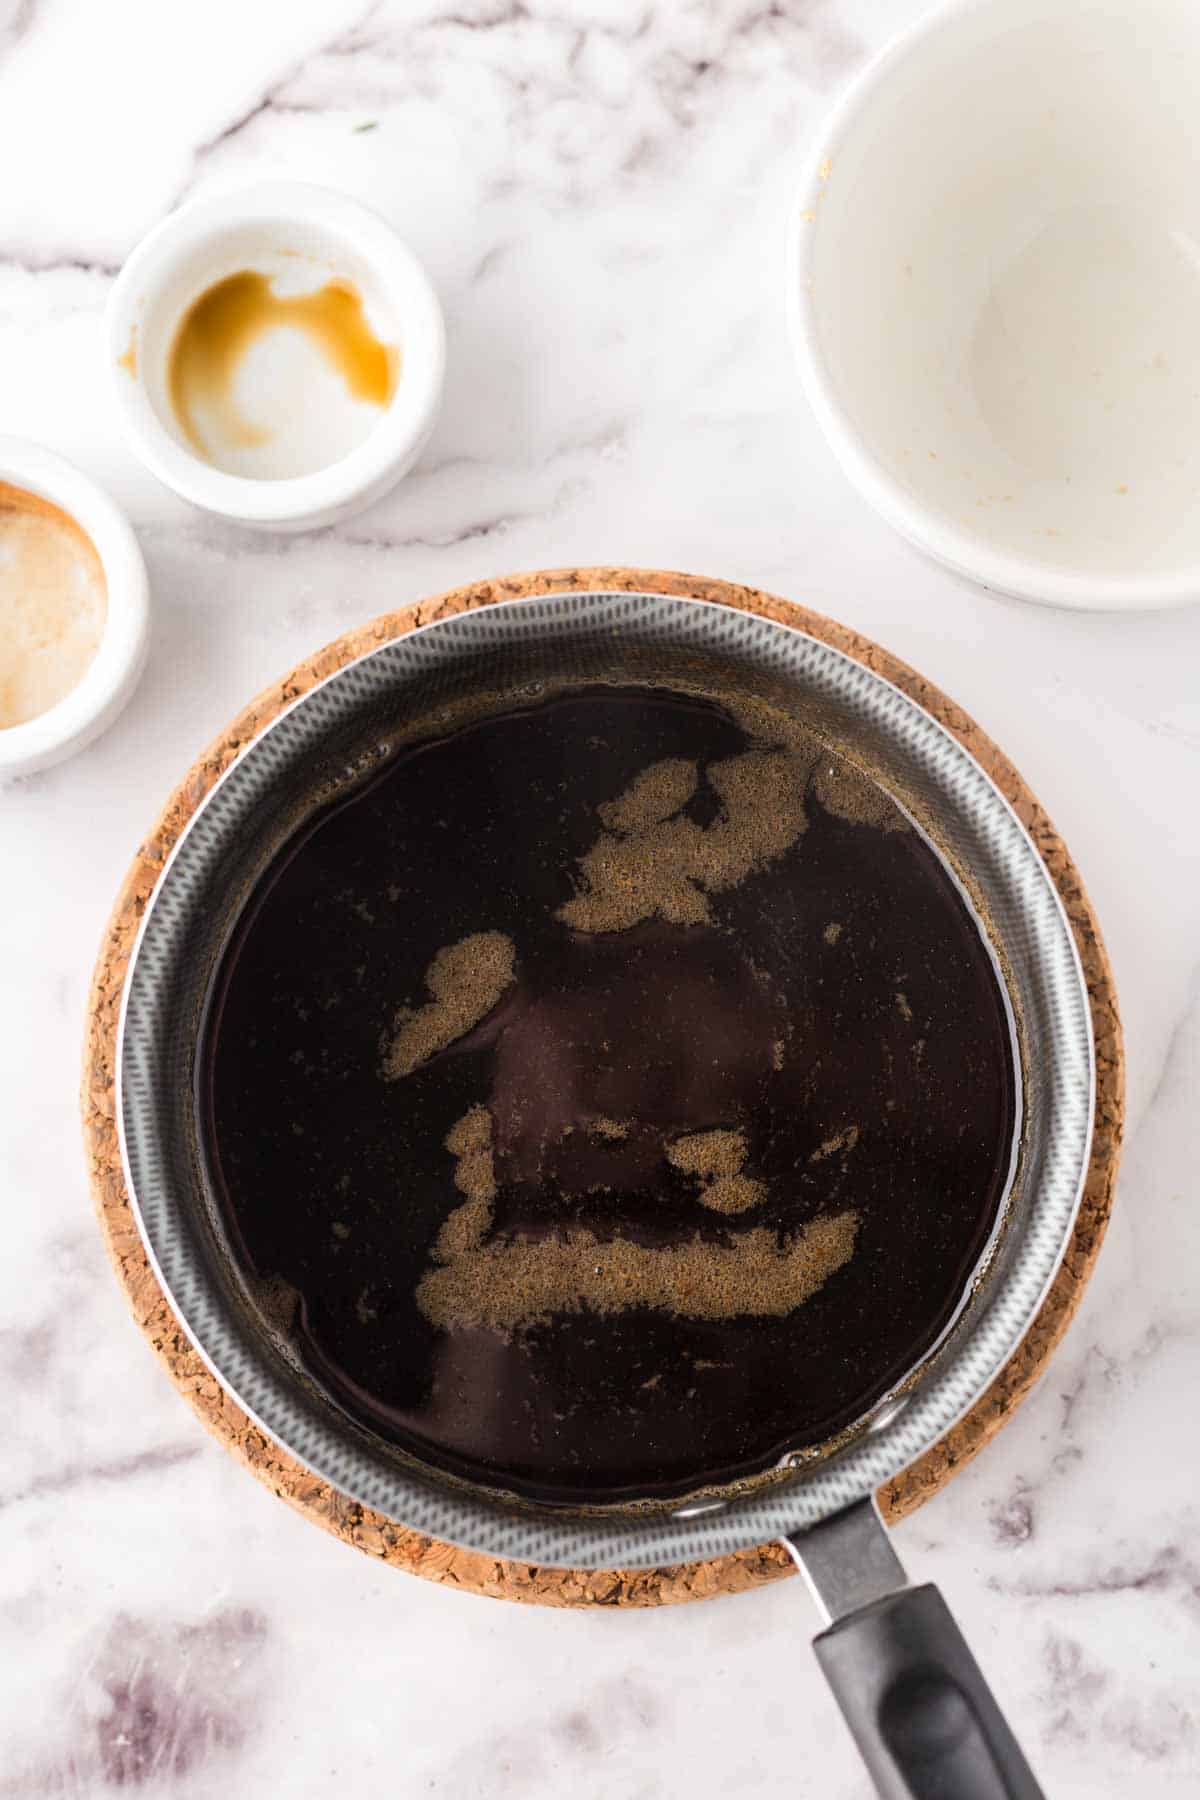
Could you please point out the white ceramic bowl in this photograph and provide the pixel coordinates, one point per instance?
(994, 283)
(254, 228)
(109, 679)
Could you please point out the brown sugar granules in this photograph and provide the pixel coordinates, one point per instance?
(503, 1286)
(651, 874)
(465, 980)
(470, 1142)
(841, 1140)
(717, 1158)
(839, 785)
(763, 813)
(654, 861)
(656, 794)
(613, 1129)
(853, 796)
(708, 1153)
(733, 1194)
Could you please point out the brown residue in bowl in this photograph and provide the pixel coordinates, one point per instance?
(53, 604)
(231, 316)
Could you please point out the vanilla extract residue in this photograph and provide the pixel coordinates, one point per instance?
(236, 316)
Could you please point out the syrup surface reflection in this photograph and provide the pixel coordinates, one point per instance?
(619, 1091)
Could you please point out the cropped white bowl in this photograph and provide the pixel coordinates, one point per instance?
(111, 676)
(994, 288)
(252, 227)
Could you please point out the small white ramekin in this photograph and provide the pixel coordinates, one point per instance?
(221, 235)
(106, 684)
(993, 278)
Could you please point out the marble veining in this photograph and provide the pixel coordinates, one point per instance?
(151, 1703)
(600, 193)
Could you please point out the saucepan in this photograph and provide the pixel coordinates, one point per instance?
(914, 1698)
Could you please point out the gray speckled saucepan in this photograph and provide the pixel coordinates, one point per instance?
(912, 1694)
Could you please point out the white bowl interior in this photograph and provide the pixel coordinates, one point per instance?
(1005, 279)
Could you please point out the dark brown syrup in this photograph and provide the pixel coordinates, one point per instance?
(715, 1179)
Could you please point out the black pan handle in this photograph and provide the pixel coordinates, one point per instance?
(914, 1697)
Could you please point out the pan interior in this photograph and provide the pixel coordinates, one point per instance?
(333, 744)
(613, 1098)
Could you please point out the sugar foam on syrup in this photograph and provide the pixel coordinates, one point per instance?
(53, 604)
(272, 377)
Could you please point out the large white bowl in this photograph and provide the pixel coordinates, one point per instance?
(994, 279)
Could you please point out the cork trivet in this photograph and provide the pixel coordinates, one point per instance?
(371, 1532)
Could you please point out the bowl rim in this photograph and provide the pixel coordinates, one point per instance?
(88, 708)
(1021, 577)
(489, 1525)
(404, 426)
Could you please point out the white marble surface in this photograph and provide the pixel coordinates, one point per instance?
(599, 191)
